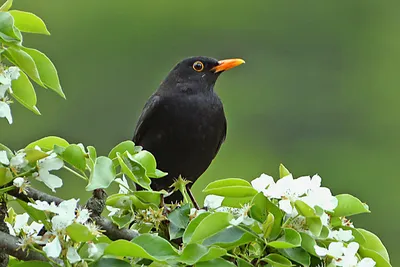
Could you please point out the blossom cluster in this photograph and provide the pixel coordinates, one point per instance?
(56, 239)
(285, 193)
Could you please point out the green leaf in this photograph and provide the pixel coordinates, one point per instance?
(32, 264)
(5, 176)
(283, 171)
(193, 226)
(92, 156)
(372, 242)
(121, 148)
(157, 247)
(268, 225)
(232, 191)
(304, 209)
(308, 243)
(102, 174)
(258, 210)
(243, 263)
(33, 155)
(290, 239)
(79, 233)
(277, 260)
(8, 32)
(194, 253)
(298, 255)
(47, 143)
(24, 92)
(227, 182)
(47, 71)
(134, 171)
(108, 262)
(278, 216)
(229, 238)
(315, 225)
(210, 225)
(236, 202)
(153, 197)
(380, 260)
(37, 215)
(180, 216)
(74, 155)
(124, 248)
(6, 6)
(219, 262)
(29, 22)
(25, 62)
(324, 232)
(147, 160)
(349, 205)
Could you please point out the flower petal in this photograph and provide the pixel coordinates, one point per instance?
(366, 262)
(5, 112)
(286, 206)
(3, 158)
(72, 255)
(53, 249)
(21, 220)
(262, 182)
(18, 182)
(50, 180)
(322, 252)
(51, 162)
(336, 249)
(213, 201)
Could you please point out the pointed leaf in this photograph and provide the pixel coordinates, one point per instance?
(28, 22)
(24, 61)
(194, 253)
(135, 173)
(6, 6)
(349, 205)
(157, 247)
(24, 92)
(211, 225)
(304, 209)
(8, 32)
(277, 260)
(79, 233)
(46, 69)
(298, 255)
(74, 155)
(47, 143)
(193, 226)
(315, 225)
(378, 258)
(308, 243)
(290, 239)
(5, 176)
(283, 171)
(258, 210)
(121, 148)
(229, 238)
(108, 262)
(373, 242)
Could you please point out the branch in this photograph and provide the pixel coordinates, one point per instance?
(111, 230)
(9, 245)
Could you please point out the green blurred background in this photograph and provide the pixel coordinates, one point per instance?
(319, 92)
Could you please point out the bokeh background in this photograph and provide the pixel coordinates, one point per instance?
(319, 92)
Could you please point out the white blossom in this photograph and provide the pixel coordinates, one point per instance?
(195, 212)
(123, 185)
(243, 217)
(3, 158)
(113, 211)
(53, 249)
(52, 162)
(72, 255)
(12, 73)
(262, 182)
(341, 235)
(83, 216)
(5, 111)
(19, 182)
(213, 201)
(366, 262)
(19, 161)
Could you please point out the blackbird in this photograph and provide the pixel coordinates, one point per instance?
(183, 123)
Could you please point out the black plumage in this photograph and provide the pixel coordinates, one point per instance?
(183, 123)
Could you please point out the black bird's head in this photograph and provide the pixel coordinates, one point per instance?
(196, 74)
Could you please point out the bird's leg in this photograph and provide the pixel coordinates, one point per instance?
(196, 205)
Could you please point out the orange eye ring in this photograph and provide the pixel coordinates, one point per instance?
(198, 66)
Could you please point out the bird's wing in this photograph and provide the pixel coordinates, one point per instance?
(144, 122)
(222, 138)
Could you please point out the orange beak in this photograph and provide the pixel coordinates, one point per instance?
(227, 64)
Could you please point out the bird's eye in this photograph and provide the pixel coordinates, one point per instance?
(198, 66)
